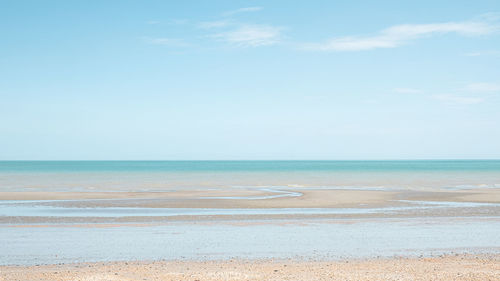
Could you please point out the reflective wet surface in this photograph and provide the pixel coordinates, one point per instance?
(39, 244)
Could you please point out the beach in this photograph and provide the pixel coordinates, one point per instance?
(247, 204)
(136, 221)
(452, 267)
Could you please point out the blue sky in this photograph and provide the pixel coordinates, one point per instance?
(249, 79)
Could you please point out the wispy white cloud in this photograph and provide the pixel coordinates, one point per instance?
(473, 93)
(227, 30)
(473, 54)
(407, 91)
(251, 35)
(242, 10)
(153, 22)
(483, 87)
(172, 42)
(398, 35)
(458, 99)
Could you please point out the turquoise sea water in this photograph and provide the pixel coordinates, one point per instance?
(250, 166)
(168, 175)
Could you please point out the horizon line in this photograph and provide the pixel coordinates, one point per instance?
(244, 160)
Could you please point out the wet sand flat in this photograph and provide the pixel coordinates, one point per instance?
(219, 198)
(246, 204)
(251, 239)
(196, 233)
(259, 198)
(450, 267)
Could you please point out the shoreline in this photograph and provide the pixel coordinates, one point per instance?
(453, 266)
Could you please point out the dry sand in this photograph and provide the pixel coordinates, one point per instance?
(452, 267)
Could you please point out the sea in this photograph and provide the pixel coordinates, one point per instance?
(177, 175)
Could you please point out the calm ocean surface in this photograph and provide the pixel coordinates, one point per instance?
(168, 175)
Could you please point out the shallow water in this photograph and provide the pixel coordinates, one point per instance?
(51, 208)
(293, 239)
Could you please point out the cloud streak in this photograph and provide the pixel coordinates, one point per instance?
(407, 91)
(214, 24)
(483, 53)
(399, 35)
(483, 87)
(251, 35)
(242, 10)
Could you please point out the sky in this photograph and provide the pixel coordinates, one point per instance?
(208, 80)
